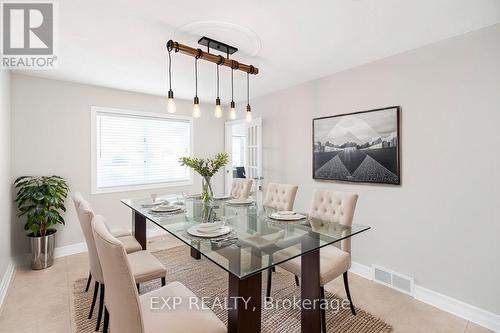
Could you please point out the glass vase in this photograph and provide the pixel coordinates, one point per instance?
(207, 195)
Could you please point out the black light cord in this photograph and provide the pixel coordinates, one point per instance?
(217, 80)
(232, 85)
(169, 70)
(196, 77)
(248, 88)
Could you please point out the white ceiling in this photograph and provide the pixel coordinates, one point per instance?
(121, 43)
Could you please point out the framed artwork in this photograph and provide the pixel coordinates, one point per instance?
(360, 147)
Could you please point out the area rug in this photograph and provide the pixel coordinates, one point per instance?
(207, 280)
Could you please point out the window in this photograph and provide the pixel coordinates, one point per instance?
(134, 150)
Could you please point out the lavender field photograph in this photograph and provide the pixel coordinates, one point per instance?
(358, 147)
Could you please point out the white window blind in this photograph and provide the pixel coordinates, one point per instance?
(133, 150)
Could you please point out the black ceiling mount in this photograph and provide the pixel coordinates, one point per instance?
(216, 45)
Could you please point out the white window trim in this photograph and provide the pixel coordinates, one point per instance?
(93, 152)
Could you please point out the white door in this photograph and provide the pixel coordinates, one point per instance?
(228, 170)
(253, 161)
(249, 134)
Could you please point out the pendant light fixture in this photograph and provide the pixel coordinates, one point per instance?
(218, 108)
(170, 97)
(196, 104)
(232, 110)
(219, 60)
(249, 110)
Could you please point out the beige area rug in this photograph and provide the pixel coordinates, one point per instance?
(207, 280)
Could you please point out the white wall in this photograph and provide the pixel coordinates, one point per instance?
(51, 135)
(442, 225)
(5, 173)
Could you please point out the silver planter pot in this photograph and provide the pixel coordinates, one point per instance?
(42, 250)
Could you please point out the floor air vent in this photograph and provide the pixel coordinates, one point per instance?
(392, 279)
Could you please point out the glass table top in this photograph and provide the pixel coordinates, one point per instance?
(256, 241)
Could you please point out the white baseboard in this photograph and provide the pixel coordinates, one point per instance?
(68, 250)
(458, 308)
(6, 279)
(361, 270)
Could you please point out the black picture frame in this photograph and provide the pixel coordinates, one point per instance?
(384, 170)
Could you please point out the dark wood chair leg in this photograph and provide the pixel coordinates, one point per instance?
(163, 282)
(297, 281)
(106, 321)
(269, 281)
(323, 311)
(101, 309)
(88, 282)
(96, 290)
(346, 286)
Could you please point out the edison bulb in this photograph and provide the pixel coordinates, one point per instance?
(171, 105)
(218, 111)
(232, 113)
(249, 116)
(196, 111)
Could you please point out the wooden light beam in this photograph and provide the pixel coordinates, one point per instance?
(216, 59)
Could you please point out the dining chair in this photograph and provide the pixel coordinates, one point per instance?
(280, 196)
(241, 188)
(145, 266)
(327, 209)
(129, 241)
(117, 232)
(127, 312)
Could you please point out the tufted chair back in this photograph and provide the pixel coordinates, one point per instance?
(334, 206)
(122, 299)
(280, 196)
(85, 216)
(241, 188)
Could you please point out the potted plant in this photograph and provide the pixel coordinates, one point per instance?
(206, 168)
(41, 200)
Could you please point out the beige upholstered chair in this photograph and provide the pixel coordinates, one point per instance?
(328, 207)
(241, 188)
(85, 218)
(145, 266)
(280, 196)
(117, 232)
(131, 313)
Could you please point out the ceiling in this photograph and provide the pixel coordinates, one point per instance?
(121, 43)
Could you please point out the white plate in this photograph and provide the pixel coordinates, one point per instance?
(296, 217)
(240, 201)
(156, 203)
(166, 208)
(223, 197)
(193, 196)
(224, 230)
(204, 227)
(285, 212)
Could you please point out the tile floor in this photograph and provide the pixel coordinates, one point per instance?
(41, 301)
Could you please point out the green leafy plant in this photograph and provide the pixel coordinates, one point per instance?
(205, 167)
(41, 199)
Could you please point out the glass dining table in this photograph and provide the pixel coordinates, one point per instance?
(248, 250)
